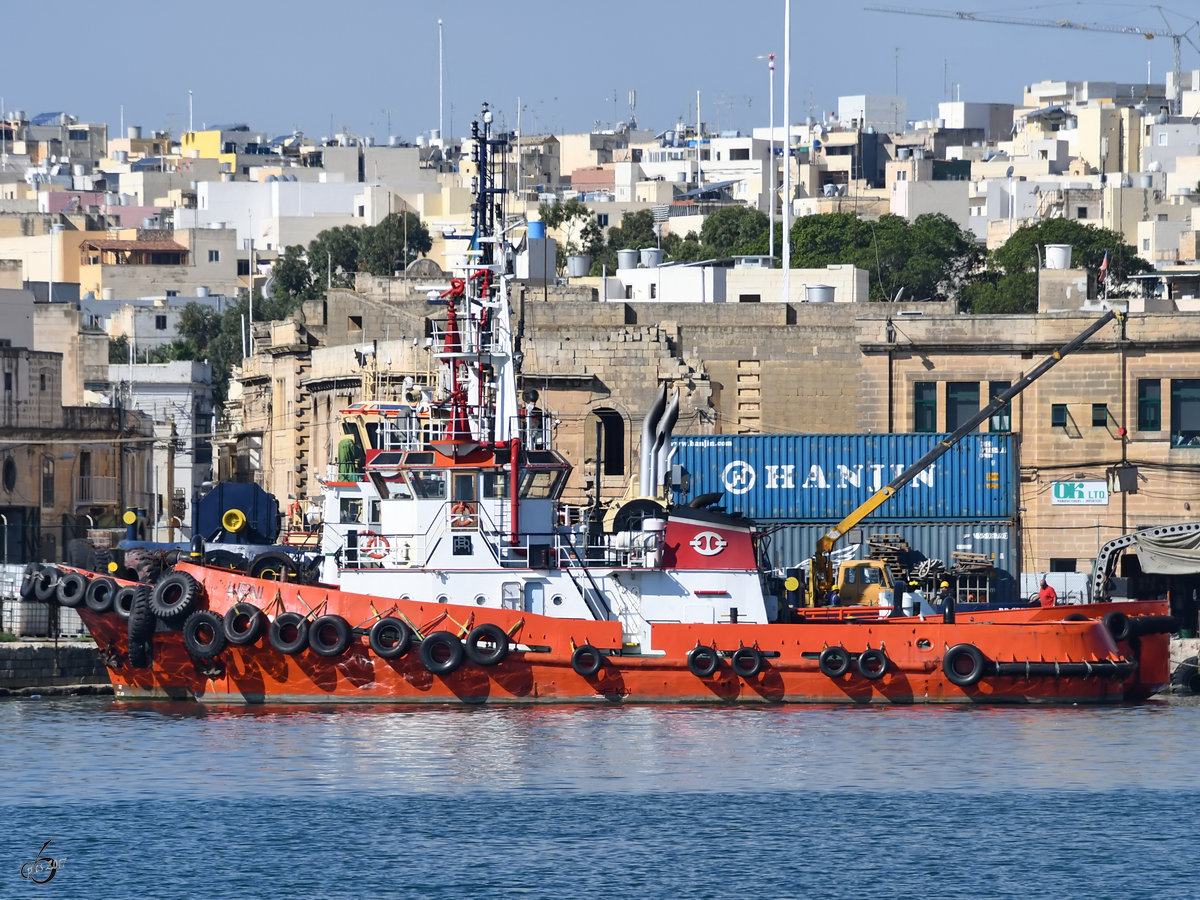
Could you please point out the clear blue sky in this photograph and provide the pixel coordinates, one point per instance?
(356, 66)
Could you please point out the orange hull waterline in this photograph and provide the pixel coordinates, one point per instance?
(451, 571)
(1026, 658)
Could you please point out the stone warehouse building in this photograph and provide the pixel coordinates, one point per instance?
(1130, 393)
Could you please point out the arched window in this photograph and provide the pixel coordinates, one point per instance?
(611, 441)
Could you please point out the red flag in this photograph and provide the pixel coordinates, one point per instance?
(1104, 266)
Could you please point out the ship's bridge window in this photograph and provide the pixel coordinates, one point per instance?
(542, 484)
(428, 483)
(495, 485)
(350, 509)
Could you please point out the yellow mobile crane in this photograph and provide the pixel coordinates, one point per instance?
(820, 578)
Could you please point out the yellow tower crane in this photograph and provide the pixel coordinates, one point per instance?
(1176, 36)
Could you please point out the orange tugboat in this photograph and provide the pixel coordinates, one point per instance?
(451, 573)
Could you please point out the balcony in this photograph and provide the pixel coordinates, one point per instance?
(96, 490)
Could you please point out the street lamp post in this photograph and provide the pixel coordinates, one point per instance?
(770, 57)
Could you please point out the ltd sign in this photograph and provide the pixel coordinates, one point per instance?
(1079, 493)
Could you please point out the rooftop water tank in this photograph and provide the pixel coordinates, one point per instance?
(651, 257)
(579, 266)
(1145, 181)
(627, 259)
(202, 290)
(1058, 256)
(134, 132)
(818, 293)
(537, 230)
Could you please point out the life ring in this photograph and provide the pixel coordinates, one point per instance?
(702, 661)
(441, 653)
(586, 660)
(746, 662)
(964, 665)
(872, 664)
(390, 638)
(462, 515)
(834, 662)
(373, 545)
(487, 644)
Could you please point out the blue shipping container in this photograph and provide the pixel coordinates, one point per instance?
(825, 477)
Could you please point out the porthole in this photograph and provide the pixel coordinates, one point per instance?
(557, 600)
(10, 474)
(924, 644)
(442, 598)
(481, 600)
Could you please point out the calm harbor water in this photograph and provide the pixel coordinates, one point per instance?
(165, 800)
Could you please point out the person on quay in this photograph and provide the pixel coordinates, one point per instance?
(1047, 596)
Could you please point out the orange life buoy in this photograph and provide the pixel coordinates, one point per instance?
(462, 515)
(373, 545)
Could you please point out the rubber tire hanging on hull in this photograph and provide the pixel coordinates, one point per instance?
(99, 594)
(964, 677)
(174, 597)
(390, 638)
(29, 580)
(487, 644)
(204, 634)
(243, 624)
(1117, 624)
(872, 664)
(702, 661)
(329, 635)
(45, 586)
(441, 653)
(71, 589)
(283, 624)
(141, 619)
(834, 662)
(746, 662)
(273, 565)
(586, 660)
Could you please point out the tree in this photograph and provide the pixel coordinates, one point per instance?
(1010, 282)
(734, 230)
(333, 256)
(292, 275)
(118, 349)
(393, 244)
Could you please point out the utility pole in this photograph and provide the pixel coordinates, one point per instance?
(172, 443)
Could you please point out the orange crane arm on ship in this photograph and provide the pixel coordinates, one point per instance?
(820, 578)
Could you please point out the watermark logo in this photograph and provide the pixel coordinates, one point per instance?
(42, 869)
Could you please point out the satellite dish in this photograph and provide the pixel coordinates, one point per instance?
(267, 288)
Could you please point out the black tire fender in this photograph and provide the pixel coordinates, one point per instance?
(1118, 625)
(964, 665)
(71, 588)
(288, 633)
(243, 624)
(174, 597)
(141, 619)
(487, 644)
(139, 655)
(123, 597)
(204, 634)
(834, 662)
(746, 662)
(441, 653)
(45, 586)
(702, 661)
(586, 660)
(390, 638)
(29, 579)
(99, 594)
(872, 663)
(329, 635)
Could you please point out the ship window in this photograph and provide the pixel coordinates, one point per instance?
(350, 509)
(373, 510)
(540, 485)
(495, 485)
(398, 489)
(464, 488)
(429, 483)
